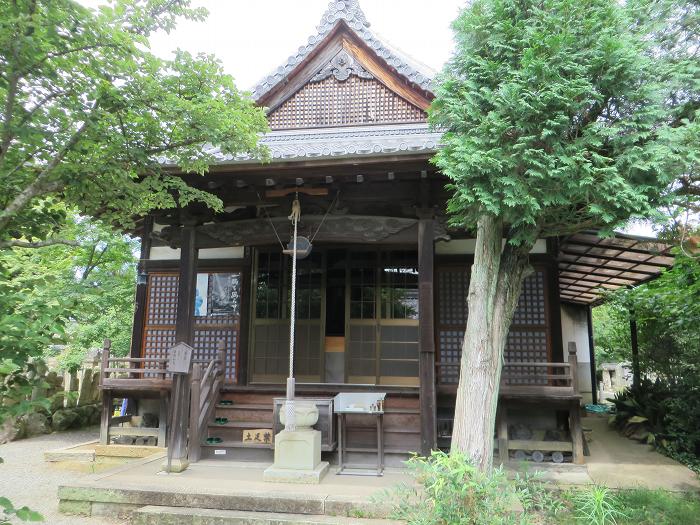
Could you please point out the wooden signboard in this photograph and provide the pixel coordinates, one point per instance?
(180, 359)
(261, 436)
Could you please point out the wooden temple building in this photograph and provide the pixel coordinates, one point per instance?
(381, 298)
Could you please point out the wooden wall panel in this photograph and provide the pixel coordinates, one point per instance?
(355, 101)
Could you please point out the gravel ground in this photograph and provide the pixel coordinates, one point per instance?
(27, 480)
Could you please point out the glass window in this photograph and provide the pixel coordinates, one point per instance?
(399, 290)
(269, 286)
(363, 279)
(309, 286)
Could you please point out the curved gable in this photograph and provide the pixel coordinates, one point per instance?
(345, 77)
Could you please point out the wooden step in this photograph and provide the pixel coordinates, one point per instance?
(244, 406)
(236, 444)
(241, 424)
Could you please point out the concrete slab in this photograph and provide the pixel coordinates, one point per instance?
(232, 486)
(283, 475)
(618, 462)
(181, 516)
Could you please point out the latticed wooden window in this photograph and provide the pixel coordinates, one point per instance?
(452, 288)
(528, 339)
(218, 316)
(354, 101)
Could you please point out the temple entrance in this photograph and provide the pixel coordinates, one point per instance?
(357, 317)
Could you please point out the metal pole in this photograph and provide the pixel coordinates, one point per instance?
(636, 374)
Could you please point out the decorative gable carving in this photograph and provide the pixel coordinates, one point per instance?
(341, 66)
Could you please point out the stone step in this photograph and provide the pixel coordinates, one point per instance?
(156, 515)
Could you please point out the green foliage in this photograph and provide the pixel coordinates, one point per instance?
(551, 119)
(22, 514)
(673, 28)
(17, 388)
(61, 294)
(659, 507)
(90, 117)
(454, 491)
(535, 496)
(597, 506)
(611, 333)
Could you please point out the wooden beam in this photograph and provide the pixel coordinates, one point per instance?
(379, 70)
(289, 191)
(426, 327)
(141, 291)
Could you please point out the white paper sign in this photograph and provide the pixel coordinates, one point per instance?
(179, 359)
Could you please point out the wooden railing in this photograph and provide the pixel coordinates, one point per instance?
(132, 373)
(205, 388)
(530, 379)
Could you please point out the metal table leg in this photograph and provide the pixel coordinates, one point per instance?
(380, 443)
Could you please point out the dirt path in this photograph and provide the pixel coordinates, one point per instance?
(27, 480)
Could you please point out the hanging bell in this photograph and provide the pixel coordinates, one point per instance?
(304, 247)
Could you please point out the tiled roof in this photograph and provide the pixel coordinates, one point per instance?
(332, 143)
(349, 11)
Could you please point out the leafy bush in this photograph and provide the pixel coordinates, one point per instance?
(452, 491)
(23, 514)
(536, 496)
(17, 385)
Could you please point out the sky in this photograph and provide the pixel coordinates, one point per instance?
(254, 37)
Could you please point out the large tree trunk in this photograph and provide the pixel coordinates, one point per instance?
(494, 288)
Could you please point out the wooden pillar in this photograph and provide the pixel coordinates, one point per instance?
(636, 373)
(426, 327)
(141, 290)
(106, 417)
(575, 427)
(184, 333)
(591, 349)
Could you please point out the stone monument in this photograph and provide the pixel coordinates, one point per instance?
(298, 452)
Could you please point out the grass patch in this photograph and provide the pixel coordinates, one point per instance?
(586, 506)
(659, 507)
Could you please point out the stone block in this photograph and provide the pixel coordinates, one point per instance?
(305, 476)
(111, 510)
(176, 465)
(75, 507)
(300, 449)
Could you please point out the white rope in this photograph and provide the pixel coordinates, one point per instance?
(290, 424)
(325, 216)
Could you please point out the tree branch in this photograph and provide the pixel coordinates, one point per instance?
(41, 185)
(38, 244)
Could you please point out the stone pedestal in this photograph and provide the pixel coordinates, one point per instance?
(177, 465)
(298, 452)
